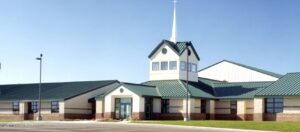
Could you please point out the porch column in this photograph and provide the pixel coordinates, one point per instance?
(211, 109)
(259, 106)
(241, 109)
(99, 109)
(61, 110)
(23, 106)
(190, 107)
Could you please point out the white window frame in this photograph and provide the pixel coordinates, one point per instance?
(156, 68)
(161, 65)
(171, 67)
(183, 66)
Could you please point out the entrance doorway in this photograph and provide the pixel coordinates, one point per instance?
(148, 108)
(123, 108)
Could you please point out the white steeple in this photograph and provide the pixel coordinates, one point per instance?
(174, 32)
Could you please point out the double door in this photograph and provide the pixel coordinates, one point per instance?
(123, 109)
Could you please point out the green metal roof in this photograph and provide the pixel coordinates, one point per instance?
(52, 91)
(209, 82)
(142, 90)
(240, 90)
(288, 85)
(178, 47)
(248, 67)
(177, 89)
(168, 88)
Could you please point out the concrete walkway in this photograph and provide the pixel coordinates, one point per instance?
(93, 126)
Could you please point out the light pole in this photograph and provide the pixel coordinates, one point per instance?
(39, 118)
(186, 118)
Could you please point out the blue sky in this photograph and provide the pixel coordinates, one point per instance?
(111, 39)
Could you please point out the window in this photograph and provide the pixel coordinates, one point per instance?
(183, 65)
(203, 106)
(15, 107)
(165, 105)
(155, 66)
(233, 107)
(273, 105)
(34, 107)
(54, 107)
(173, 65)
(164, 65)
(194, 68)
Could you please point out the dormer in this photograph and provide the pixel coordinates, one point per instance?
(168, 61)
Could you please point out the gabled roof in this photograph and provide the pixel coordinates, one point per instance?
(52, 91)
(178, 48)
(240, 90)
(288, 85)
(248, 67)
(142, 90)
(177, 89)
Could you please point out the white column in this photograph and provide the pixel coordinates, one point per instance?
(241, 109)
(259, 106)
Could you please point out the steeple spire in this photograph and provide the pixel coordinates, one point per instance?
(174, 32)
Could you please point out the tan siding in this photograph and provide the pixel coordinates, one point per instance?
(222, 107)
(291, 105)
(176, 106)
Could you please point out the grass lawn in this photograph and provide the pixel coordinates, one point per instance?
(8, 120)
(268, 126)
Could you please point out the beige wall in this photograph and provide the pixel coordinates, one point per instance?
(291, 105)
(99, 106)
(156, 105)
(46, 107)
(249, 106)
(137, 101)
(80, 103)
(241, 107)
(196, 106)
(222, 107)
(234, 73)
(6, 108)
(258, 105)
(176, 106)
(210, 106)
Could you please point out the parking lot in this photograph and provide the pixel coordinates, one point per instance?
(90, 126)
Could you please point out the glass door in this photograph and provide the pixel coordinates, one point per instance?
(148, 108)
(123, 108)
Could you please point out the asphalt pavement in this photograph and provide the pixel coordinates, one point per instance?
(93, 126)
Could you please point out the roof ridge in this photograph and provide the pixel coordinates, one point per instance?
(58, 82)
(247, 67)
(211, 79)
(242, 82)
(136, 84)
(256, 69)
(293, 73)
(184, 86)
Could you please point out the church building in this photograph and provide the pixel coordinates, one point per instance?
(176, 90)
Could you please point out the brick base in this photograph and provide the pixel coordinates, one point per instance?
(210, 116)
(99, 116)
(258, 117)
(109, 115)
(16, 117)
(78, 116)
(168, 116)
(281, 117)
(138, 115)
(197, 116)
(226, 117)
